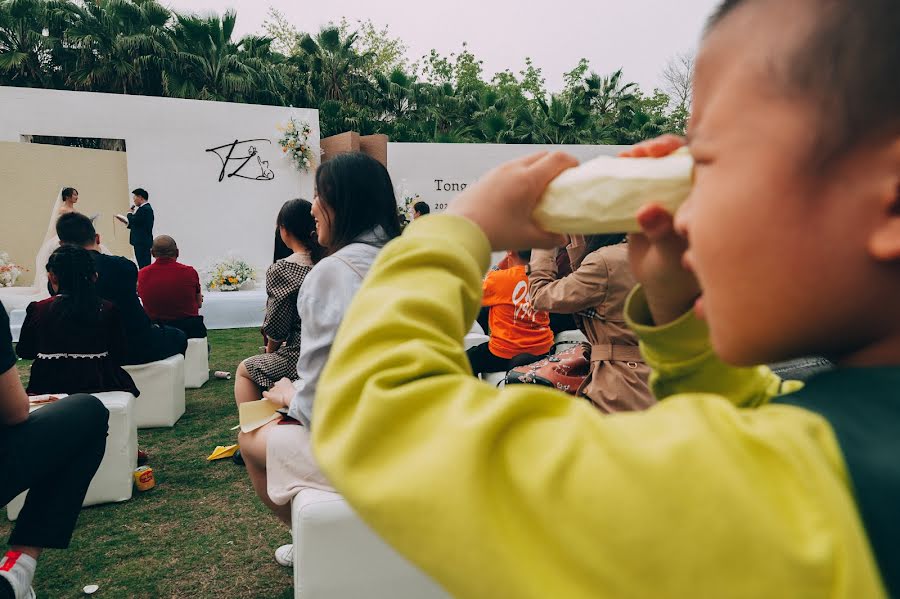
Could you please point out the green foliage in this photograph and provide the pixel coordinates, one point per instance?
(357, 75)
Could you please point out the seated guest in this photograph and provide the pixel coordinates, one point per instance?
(519, 333)
(75, 339)
(53, 453)
(420, 209)
(117, 283)
(170, 291)
(281, 327)
(355, 212)
(595, 293)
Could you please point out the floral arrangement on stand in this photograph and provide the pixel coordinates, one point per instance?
(295, 143)
(232, 274)
(9, 271)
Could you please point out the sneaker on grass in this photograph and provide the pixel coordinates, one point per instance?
(284, 555)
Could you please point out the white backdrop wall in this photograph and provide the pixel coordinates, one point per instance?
(166, 142)
(436, 173)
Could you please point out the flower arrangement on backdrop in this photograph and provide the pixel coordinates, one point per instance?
(231, 274)
(295, 143)
(9, 271)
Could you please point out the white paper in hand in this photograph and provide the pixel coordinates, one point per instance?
(255, 414)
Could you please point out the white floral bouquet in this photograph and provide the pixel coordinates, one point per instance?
(232, 274)
(295, 143)
(9, 271)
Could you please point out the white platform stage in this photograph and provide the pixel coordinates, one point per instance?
(234, 309)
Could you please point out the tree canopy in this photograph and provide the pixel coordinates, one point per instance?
(356, 74)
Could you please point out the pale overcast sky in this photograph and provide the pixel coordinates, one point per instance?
(639, 35)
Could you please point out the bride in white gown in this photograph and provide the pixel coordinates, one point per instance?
(64, 204)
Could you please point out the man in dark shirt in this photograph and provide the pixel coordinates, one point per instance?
(117, 283)
(170, 291)
(53, 453)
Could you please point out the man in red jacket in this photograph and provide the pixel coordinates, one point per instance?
(170, 291)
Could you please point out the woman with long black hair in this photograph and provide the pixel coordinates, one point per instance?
(75, 339)
(356, 215)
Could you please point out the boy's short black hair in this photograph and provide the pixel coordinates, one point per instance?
(850, 63)
(422, 208)
(142, 193)
(75, 228)
(524, 255)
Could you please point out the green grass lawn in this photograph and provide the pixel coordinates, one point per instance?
(200, 533)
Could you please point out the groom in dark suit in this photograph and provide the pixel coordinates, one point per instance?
(140, 221)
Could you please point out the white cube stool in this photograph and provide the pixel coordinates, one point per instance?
(337, 556)
(113, 480)
(161, 384)
(196, 363)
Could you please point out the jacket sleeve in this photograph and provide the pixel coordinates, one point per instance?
(683, 361)
(321, 304)
(584, 288)
(528, 492)
(140, 218)
(27, 347)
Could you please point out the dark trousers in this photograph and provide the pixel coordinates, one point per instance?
(156, 343)
(54, 454)
(193, 327)
(562, 322)
(482, 360)
(142, 255)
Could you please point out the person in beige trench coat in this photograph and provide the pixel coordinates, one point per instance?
(595, 294)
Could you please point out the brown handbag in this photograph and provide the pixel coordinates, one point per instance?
(565, 371)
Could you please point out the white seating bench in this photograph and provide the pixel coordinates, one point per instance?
(337, 556)
(161, 384)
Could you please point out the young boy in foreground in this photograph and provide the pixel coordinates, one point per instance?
(731, 486)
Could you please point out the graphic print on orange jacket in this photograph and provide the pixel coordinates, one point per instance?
(516, 327)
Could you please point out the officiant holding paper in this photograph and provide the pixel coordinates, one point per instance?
(140, 222)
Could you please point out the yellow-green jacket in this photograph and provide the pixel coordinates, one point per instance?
(717, 491)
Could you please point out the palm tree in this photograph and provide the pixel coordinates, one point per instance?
(30, 32)
(334, 67)
(562, 121)
(208, 64)
(120, 45)
(396, 93)
(607, 94)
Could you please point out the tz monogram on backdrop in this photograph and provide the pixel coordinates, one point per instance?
(244, 165)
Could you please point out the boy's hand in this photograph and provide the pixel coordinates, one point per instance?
(501, 202)
(656, 254)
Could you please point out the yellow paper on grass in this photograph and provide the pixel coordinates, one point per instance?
(255, 414)
(604, 195)
(221, 452)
